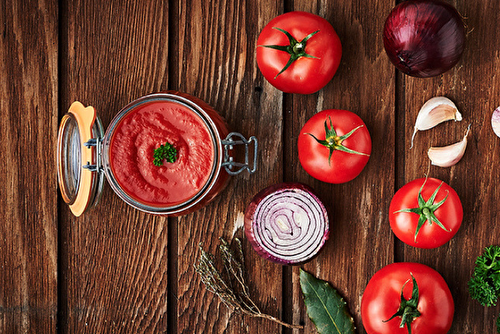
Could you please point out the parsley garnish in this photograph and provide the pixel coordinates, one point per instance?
(484, 286)
(164, 152)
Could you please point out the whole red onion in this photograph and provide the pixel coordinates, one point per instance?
(424, 38)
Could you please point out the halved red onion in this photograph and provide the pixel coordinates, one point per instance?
(287, 223)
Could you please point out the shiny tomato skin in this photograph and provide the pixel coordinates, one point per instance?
(343, 166)
(404, 224)
(305, 75)
(381, 299)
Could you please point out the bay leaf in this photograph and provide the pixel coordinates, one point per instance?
(325, 307)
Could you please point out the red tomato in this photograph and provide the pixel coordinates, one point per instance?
(438, 225)
(312, 48)
(382, 300)
(334, 146)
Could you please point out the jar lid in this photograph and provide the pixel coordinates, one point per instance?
(78, 157)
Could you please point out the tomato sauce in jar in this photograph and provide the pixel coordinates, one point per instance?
(125, 154)
(142, 131)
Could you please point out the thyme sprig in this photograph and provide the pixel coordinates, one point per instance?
(230, 285)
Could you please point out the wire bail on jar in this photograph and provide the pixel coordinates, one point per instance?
(84, 155)
(94, 142)
(229, 164)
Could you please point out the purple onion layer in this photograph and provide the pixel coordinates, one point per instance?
(424, 38)
(287, 223)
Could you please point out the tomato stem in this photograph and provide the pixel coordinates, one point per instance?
(426, 210)
(334, 142)
(408, 309)
(296, 49)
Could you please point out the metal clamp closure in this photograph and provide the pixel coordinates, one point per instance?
(94, 142)
(229, 164)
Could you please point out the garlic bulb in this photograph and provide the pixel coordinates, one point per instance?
(437, 110)
(448, 156)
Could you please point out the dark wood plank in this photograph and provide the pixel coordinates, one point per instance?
(361, 241)
(115, 259)
(215, 62)
(28, 202)
(472, 85)
(121, 270)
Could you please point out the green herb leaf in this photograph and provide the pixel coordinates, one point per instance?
(325, 307)
(164, 152)
(484, 285)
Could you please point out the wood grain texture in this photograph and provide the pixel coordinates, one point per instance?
(114, 259)
(28, 201)
(473, 86)
(215, 57)
(360, 241)
(117, 270)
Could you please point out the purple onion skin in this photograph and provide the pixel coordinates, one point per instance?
(251, 222)
(424, 38)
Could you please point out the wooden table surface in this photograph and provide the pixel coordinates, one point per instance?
(116, 269)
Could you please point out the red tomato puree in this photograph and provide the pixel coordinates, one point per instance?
(143, 130)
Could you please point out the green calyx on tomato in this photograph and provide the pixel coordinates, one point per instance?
(334, 142)
(408, 308)
(295, 49)
(426, 210)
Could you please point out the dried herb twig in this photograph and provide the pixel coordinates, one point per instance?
(231, 287)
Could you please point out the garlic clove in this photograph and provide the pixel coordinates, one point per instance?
(448, 156)
(495, 121)
(437, 110)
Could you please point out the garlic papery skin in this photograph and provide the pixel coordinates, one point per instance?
(495, 121)
(437, 110)
(448, 156)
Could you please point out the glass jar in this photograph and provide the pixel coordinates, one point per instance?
(124, 154)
